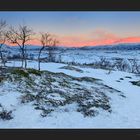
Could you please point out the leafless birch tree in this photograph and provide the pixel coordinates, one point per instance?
(20, 37)
(47, 41)
(3, 24)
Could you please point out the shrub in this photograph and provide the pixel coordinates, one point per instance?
(6, 115)
(137, 83)
(34, 71)
(21, 73)
(27, 98)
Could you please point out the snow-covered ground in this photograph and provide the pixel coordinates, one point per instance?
(90, 56)
(125, 111)
(82, 56)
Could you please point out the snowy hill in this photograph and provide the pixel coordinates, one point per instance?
(130, 46)
(62, 96)
(81, 91)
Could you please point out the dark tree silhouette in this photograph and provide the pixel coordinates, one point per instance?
(51, 50)
(20, 37)
(47, 41)
(3, 24)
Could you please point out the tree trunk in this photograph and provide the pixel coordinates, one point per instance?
(39, 65)
(39, 58)
(25, 63)
(22, 62)
(22, 57)
(1, 56)
(25, 59)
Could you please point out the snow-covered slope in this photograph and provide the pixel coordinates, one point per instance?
(117, 86)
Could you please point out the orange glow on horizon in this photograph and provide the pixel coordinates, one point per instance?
(93, 42)
(76, 42)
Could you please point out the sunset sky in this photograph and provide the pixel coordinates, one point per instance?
(81, 28)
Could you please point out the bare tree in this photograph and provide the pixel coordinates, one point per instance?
(2, 38)
(47, 41)
(51, 50)
(135, 66)
(20, 37)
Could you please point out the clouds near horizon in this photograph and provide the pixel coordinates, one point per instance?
(81, 28)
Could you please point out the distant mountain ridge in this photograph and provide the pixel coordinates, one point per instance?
(125, 46)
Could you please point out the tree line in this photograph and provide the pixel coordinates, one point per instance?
(20, 36)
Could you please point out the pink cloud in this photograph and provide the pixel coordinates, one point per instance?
(97, 37)
(100, 34)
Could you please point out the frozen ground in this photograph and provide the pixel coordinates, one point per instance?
(124, 104)
(90, 56)
(84, 56)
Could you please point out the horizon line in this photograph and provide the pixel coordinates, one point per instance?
(112, 44)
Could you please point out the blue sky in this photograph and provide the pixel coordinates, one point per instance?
(88, 25)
